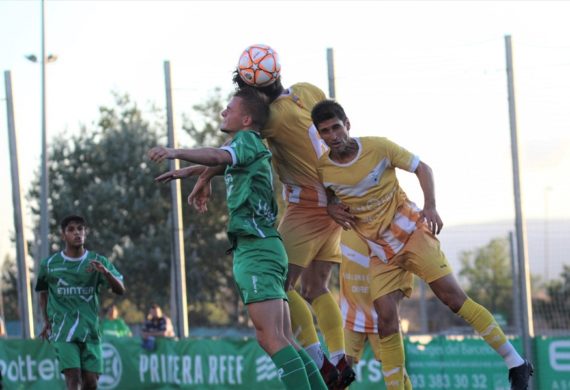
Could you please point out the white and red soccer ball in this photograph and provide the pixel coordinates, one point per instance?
(259, 65)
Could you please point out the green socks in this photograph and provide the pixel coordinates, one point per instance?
(315, 379)
(291, 369)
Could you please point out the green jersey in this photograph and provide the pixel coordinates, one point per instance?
(115, 328)
(73, 295)
(249, 188)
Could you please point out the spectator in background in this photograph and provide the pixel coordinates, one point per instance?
(2, 327)
(155, 325)
(113, 325)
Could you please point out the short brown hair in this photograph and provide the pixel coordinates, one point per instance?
(255, 104)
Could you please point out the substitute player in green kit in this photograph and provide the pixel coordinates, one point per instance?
(68, 284)
(259, 258)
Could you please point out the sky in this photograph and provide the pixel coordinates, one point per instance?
(429, 75)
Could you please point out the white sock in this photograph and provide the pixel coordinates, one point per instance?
(336, 356)
(510, 355)
(316, 353)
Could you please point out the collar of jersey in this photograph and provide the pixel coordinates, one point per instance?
(75, 258)
(351, 161)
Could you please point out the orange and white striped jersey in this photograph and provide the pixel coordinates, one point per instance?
(385, 217)
(296, 145)
(356, 306)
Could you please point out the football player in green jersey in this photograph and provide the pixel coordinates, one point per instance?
(68, 285)
(259, 258)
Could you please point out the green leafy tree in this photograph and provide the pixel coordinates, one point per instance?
(489, 277)
(555, 309)
(103, 174)
(9, 290)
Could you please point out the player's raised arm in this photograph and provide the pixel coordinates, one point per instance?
(204, 156)
(181, 173)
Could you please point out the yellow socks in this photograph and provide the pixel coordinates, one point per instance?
(484, 323)
(301, 320)
(329, 319)
(393, 361)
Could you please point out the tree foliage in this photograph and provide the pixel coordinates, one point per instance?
(9, 291)
(489, 277)
(555, 309)
(103, 174)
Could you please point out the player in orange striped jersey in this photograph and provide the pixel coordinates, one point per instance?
(358, 314)
(361, 173)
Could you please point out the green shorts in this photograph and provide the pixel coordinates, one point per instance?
(85, 356)
(260, 269)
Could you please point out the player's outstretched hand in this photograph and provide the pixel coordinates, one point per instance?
(160, 153)
(200, 195)
(340, 213)
(181, 173)
(433, 220)
(46, 331)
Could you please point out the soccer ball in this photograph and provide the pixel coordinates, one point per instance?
(259, 65)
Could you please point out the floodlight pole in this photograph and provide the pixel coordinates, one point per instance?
(178, 259)
(44, 179)
(527, 323)
(330, 68)
(24, 290)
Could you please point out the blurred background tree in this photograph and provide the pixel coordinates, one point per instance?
(103, 174)
(489, 277)
(555, 306)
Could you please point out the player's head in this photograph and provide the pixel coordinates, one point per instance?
(247, 110)
(272, 91)
(327, 109)
(332, 123)
(73, 230)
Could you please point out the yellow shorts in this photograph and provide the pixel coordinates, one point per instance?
(421, 256)
(354, 343)
(309, 234)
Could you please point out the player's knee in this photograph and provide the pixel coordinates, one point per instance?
(293, 274)
(311, 292)
(452, 298)
(271, 342)
(72, 377)
(388, 318)
(318, 274)
(388, 326)
(455, 302)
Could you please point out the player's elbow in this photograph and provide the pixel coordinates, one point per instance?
(221, 157)
(423, 168)
(119, 290)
